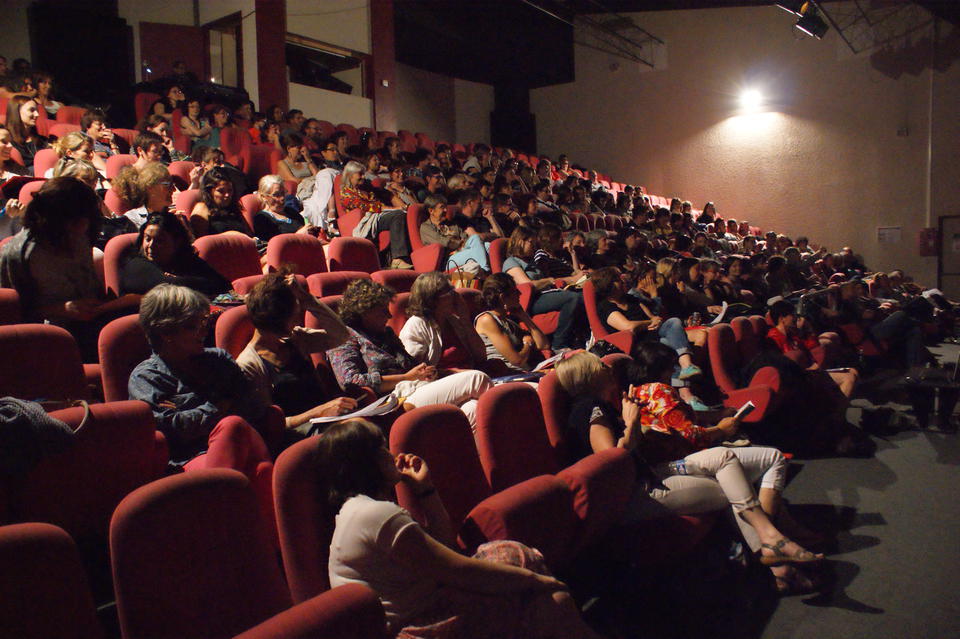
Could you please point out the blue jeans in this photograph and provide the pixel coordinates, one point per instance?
(573, 316)
(672, 334)
(475, 249)
(900, 328)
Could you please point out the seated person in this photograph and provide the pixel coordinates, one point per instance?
(687, 485)
(148, 147)
(296, 164)
(473, 214)
(171, 101)
(22, 116)
(164, 254)
(191, 389)
(149, 190)
(551, 258)
(277, 363)
(273, 218)
(572, 325)
(356, 194)
(93, 122)
(426, 588)
(434, 333)
(193, 124)
(790, 337)
(73, 146)
(466, 248)
(159, 126)
(404, 197)
(50, 263)
(218, 210)
(621, 312)
(374, 357)
(507, 331)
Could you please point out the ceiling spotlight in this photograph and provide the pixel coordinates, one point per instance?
(812, 24)
(751, 99)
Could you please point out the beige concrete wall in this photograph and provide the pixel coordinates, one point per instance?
(474, 102)
(425, 102)
(345, 23)
(331, 106)
(824, 158)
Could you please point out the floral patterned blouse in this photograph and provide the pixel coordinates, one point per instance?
(363, 362)
(352, 198)
(665, 412)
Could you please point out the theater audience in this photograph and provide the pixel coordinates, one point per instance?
(274, 218)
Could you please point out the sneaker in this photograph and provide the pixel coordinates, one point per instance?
(689, 372)
(697, 404)
(401, 264)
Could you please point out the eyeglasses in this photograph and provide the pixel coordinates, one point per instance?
(330, 148)
(165, 183)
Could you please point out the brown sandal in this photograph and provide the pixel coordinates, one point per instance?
(778, 558)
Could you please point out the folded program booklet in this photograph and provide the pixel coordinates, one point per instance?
(382, 406)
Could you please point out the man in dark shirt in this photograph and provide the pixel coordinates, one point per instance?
(433, 176)
(473, 215)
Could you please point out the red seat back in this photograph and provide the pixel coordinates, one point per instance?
(590, 304)
(304, 524)
(117, 162)
(70, 114)
(416, 215)
(114, 203)
(440, 435)
(117, 450)
(512, 437)
(122, 345)
(498, 254)
(398, 311)
(142, 102)
(748, 342)
(191, 557)
(44, 160)
(43, 590)
(401, 281)
(58, 130)
(27, 191)
(112, 254)
(250, 206)
(304, 252)
(180, 172)
(234, 330)
(724, 356)
(352, 254)
(186, 200)
(9, 306)
(40, 361)
(231, 254)
(335, 283)
(556, 403)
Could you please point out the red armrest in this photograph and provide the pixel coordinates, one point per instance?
(761, 396)
(347, 612)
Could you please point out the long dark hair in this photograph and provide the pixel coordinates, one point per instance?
(495, 287)
(348, 462)
(59, 202)
(19, 132)
(652, 360)
(210, 180)
(168, 223)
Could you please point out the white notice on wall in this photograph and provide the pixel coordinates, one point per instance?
(888, 234)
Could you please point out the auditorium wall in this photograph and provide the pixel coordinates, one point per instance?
(838, 151)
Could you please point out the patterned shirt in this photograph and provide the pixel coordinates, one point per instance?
(362, 362)
(665, 412)
(352, 198)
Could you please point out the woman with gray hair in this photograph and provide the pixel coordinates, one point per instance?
(356, 194)
(199, 396)
(273, 218)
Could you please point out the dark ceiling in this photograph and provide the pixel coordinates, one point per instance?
(511, 42)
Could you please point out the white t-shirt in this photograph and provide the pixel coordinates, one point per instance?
(422, 340)
(362, 551)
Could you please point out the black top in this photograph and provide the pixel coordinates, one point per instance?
(223, 223)
(139, 275)
(478, 223)
(582, 412)
(634, 312)
(296, 387)
(675, 304)
(29, 149)
(266, 226)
